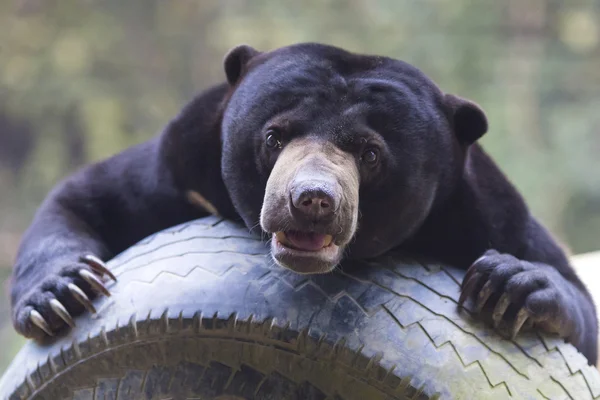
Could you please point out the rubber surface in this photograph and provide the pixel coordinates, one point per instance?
(201, 312)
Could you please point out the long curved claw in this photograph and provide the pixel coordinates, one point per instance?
(470, 272)
(62, 312)
(39, 321)
(94, 281)
(468, 288)
(500, 309)
(98, 265)
(520, 319)
(484, 295)
(81, 297)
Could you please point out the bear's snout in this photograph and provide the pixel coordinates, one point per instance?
(316, 199)
(311, 205)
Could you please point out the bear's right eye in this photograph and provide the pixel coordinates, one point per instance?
(371, 157)
(273, 139)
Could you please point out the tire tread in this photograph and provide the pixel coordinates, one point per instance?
(541, 366)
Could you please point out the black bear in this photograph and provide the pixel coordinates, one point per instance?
(332, 154)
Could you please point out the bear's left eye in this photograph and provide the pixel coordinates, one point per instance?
(273, 139)
(370, 156)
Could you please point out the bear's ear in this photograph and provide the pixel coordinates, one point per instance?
(468, 119)
(235, 61)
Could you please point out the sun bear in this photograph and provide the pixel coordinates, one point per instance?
(332, 155)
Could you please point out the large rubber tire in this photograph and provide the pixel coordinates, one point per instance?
(201, 312)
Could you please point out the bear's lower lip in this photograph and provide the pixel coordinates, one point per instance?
(321, 260)
(304, 241)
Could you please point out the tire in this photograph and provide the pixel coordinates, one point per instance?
(201, 312)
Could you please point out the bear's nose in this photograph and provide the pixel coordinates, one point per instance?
(314, 200)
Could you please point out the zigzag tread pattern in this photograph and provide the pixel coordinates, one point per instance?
(563, 375)
(155, 326)
(421, 280)
(575, 362)
(369, 313)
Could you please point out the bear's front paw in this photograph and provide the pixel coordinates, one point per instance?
(51, 303)
(518, 292)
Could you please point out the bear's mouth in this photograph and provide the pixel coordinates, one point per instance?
(305, 252)
(304, 241)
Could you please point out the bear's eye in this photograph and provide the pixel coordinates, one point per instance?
(370, 156)
(273, 139)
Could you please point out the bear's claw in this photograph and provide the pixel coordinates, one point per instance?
(94, 282)
(468, 286)
(98, 265)
(62, 312)
(520, 319)
(39, 321)
(484, 296)
(500, 309)
(60, 296)
(518, 294)
(81, 297)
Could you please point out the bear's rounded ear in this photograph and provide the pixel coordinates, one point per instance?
(235, 61)
(468, 119)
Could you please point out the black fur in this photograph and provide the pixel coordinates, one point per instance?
(448, 198)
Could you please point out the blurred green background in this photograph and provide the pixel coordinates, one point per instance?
(81, 80)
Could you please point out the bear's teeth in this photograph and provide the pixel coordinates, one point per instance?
(281, 238)
(327, 240)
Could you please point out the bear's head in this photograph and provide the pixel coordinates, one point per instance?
(334, 153)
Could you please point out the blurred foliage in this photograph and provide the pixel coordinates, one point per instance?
(81, 80)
